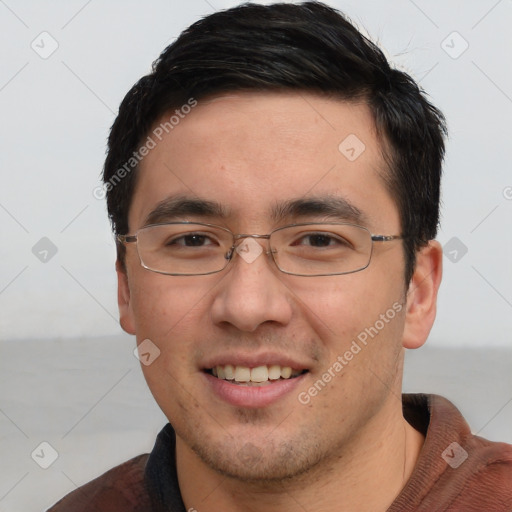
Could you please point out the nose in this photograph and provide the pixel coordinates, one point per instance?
(252, 292)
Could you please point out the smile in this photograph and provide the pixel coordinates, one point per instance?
(257, 376)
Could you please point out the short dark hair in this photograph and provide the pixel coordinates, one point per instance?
(297, 47)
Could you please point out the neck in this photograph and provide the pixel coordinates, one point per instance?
(366, 476)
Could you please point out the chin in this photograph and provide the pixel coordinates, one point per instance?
(261, 462)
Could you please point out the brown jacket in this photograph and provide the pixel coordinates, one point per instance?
(456, 471)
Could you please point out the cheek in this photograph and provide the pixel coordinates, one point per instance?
(170, 315)
(344, 306)
(360, 325)
(165, 306)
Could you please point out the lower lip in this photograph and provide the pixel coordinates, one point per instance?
(252, 396)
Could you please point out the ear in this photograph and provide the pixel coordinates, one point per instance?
(126, 317)
(421, 304)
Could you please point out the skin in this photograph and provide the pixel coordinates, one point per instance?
(349, 448)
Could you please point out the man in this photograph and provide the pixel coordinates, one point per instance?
(274, 188)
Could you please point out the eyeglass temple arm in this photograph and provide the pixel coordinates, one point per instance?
(386, 238)
(126, 238)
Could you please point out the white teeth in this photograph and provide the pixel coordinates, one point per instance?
(286, 372)
(258, 374)
(229, 372)
(242, 374)
(274, 372)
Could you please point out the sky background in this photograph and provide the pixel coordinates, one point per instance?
(57, 109)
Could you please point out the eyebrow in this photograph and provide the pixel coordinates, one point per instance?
(181, 206)
(332, 208)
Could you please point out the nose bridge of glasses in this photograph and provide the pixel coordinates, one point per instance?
(240, 236)
(238, 241)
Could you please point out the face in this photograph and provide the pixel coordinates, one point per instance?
(252, 153)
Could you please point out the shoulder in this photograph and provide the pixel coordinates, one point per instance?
(476, 470)
(457, 470)
(488, 470)
(121, 488)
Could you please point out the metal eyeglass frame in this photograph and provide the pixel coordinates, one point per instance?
(239, 236)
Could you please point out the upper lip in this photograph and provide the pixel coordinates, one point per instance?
(254, 360)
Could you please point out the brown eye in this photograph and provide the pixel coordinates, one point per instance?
(320, 240)
(190, 240)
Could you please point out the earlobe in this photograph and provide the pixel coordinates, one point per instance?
(421, 301)
(123, 300)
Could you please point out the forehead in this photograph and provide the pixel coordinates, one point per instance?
(254, 153)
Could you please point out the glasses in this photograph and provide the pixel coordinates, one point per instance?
(309, 249)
